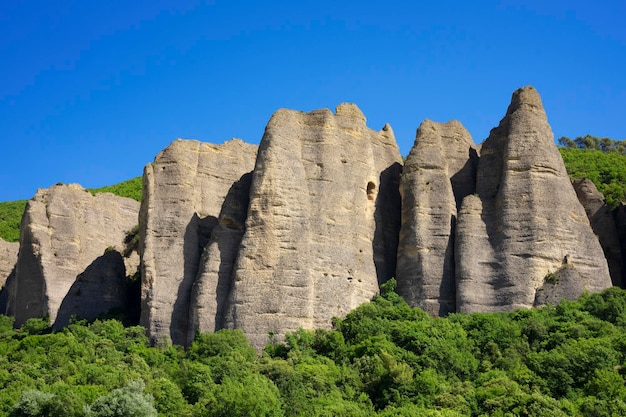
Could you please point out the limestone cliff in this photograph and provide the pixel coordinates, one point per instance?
(183, 193)
(525, 235)
(306, 227)
(438, 173)
(321, 231)
(64, 231)
(213, 284)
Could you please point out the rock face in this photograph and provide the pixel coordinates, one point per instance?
(620, 223)
(209, 296)
(438, 173)
(64, 231)
(183, 193)
(603, 225)
(321, 232)
(8, 258)
(525, 232)
(308, 227)
(100, 288)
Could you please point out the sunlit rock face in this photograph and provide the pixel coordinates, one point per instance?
(183, 193)
(524, 239)
(322, 225)
(8, 259)
(64, 231)
(438, 173)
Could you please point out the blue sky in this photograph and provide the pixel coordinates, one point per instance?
(91, 91)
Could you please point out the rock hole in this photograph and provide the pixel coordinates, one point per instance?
(371, 188)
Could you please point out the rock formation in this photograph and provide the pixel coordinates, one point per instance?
(183, 193)
(321, 232)
(102, 287)
(603, 225)
(308, 227)
(525, 232)
(8, 258)
(438, 173)
(619, 214)
(64, 230)
(213, 283)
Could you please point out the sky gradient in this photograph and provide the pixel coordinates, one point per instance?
(92, 90)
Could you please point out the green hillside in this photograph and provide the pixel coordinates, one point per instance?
(607, 170)
(10, 218)
(383, 359)
(129, 188)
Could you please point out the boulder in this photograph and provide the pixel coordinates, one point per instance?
(64, 230)
(526, 224)
(438, 173)
(322, 226)
(183, 193)
(603, 225)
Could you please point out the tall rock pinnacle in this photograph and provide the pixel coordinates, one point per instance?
(321, 232)
(183, 193)
(524, 239)
(438, 173)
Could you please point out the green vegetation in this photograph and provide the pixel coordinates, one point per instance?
(129, 188)
(607, 170)
(383, 359)
(594, 143)
(10, 218)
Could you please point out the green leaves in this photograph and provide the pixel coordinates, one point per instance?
(607, 170)
(384, 358)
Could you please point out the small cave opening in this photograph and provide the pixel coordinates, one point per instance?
(371, 190)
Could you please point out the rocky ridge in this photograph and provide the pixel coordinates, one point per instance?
(64, 231)
(307, 225)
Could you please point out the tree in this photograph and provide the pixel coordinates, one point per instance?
(123, 402)
(34, 403)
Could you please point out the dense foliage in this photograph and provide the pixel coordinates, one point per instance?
(129, 188)
(383, 359)
(10, 219)
(607, 170)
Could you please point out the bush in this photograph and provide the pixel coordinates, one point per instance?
(34, 403)
(123, 402)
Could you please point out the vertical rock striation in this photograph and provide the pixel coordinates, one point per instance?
(525, 239)
(603, 225)
(438, 173)
(321, 232)
(64, 230)
(213, 283)
(184, 190)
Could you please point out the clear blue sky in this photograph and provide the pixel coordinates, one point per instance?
(91, 90)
